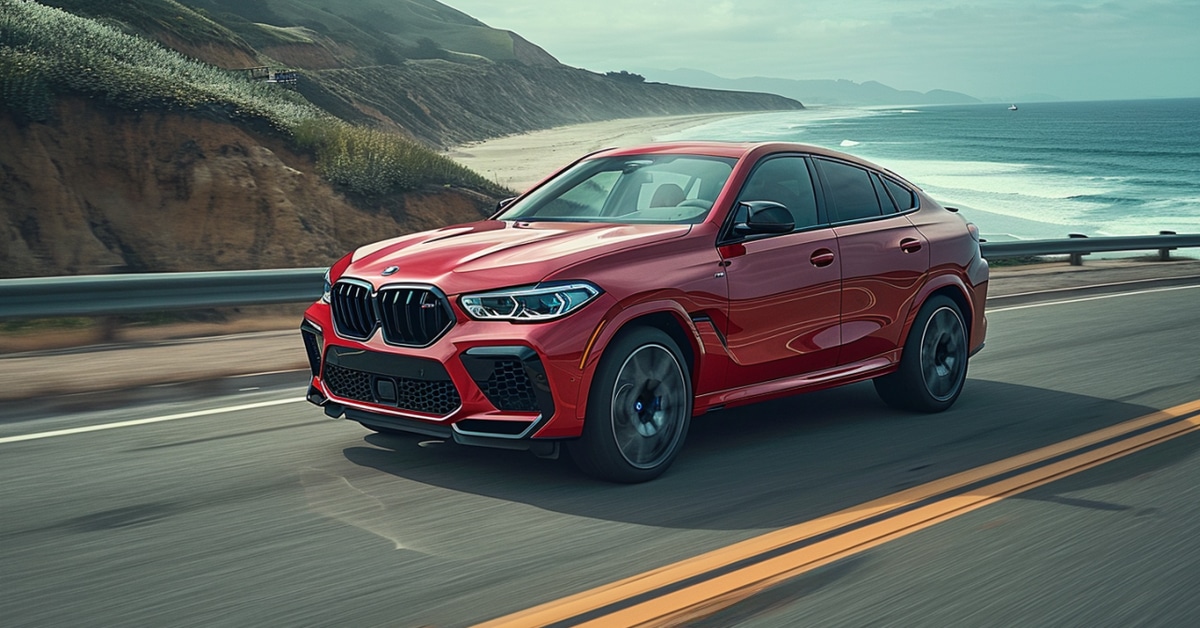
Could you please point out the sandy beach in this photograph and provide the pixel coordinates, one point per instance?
(519, 161)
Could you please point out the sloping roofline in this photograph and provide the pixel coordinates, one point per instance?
(739, 150)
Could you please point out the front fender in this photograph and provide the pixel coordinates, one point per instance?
(617, 319)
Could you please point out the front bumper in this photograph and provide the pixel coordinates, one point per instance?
(484, 383)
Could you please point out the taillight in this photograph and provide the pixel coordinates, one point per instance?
(973, 230)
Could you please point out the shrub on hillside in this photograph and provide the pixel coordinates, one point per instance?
(370, 162)
(628, 77)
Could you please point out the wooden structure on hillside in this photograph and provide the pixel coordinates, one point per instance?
(287, 78)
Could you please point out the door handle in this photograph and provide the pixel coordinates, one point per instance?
(821, 258)
(910, 245)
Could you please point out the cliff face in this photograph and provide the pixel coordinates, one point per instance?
(100, 191)
(448, 103)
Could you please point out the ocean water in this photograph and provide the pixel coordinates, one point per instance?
(1043, 171)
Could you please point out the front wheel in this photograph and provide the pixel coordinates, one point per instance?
(639, 408)
(933, 366)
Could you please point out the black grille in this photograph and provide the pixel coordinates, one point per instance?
(353, 310)
(410, 317)
(512, 378)
(349, 384)
(438, 397)
(413, 317)
(509, 388)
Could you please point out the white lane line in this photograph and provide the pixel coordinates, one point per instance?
(1092, 286)
(157, 419)
(1095, 298)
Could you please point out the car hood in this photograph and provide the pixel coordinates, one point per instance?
(492, 253)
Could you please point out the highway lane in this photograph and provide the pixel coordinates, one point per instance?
(277, 516)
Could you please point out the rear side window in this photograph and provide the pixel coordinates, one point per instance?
(885, 201)
(905, 199)
(853, 194)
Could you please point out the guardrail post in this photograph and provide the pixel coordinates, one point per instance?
(1164, 255)
(1077, 258)
(109, 326)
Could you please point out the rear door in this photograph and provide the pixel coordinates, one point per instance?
(783, 289)
(884, 258)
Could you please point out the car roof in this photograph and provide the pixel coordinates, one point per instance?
(737, 150)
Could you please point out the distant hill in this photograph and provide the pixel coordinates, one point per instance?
(355, 33)
(824, 92)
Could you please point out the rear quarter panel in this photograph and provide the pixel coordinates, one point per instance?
(954, 260)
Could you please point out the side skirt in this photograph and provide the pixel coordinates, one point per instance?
(808, 382)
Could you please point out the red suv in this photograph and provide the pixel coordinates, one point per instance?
(639, 287)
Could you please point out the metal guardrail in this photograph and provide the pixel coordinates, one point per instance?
(92, 295)
(1078, 245)
(97, 295)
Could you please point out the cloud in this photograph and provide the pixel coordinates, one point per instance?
(1077, 49)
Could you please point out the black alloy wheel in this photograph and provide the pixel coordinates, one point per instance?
(933, 366)
(639, 409)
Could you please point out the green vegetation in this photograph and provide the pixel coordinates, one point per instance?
(370, 162)
(46, 53)
(153, 17)
(1004, 262)
(288, 35)
(364, 25)
(626, 76)
(27, 325)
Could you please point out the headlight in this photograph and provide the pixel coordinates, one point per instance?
(328, 288)
(537, 303)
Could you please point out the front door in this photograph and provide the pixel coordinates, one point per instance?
(784, 300)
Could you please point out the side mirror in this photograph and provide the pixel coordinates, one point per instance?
(763, 217)
(505, 203)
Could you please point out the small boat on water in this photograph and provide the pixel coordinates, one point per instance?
(1012, 107)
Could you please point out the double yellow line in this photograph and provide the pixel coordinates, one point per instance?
(699, 586)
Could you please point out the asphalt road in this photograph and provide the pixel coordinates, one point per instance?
(274, 515)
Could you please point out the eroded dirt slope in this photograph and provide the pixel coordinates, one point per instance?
(100, 191)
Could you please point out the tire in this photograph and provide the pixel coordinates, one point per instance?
(639, 409)
(933, 365)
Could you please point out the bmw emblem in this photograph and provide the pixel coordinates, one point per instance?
(390, 270)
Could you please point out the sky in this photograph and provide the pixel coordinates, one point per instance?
(999, 49)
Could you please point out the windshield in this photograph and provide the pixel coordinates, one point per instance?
(656, 189)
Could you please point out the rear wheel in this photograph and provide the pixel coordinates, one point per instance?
(933, 366)
(639, 409)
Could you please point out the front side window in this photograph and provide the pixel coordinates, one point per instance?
(784, 180)
(656, 189)
(853, 193)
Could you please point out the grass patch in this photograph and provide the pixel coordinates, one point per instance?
(371, 163)
(285, 35)
(154, 16)
(1027, 260)
(30, 325)
(46, 52)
